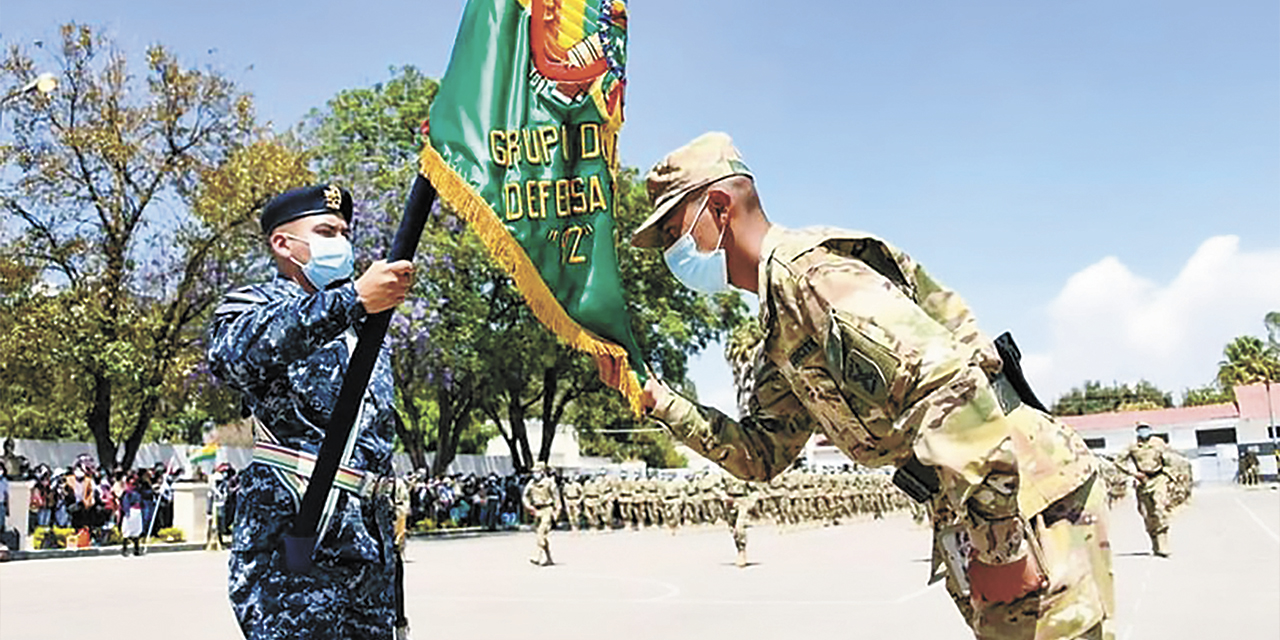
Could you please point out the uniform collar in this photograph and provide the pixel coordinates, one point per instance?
(288, 284)
(773, 238)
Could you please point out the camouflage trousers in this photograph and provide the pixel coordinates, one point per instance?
(672, 512)
(1080, 599)
(573, 513)
(739, 514)
(544, 520)
(593, 513)
(349, 591)
(628, 513)
(1153, 503)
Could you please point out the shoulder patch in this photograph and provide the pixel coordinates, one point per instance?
(861, 366)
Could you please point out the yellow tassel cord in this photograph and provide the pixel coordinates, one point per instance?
(511, 257)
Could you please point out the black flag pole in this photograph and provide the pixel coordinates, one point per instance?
(300, 542)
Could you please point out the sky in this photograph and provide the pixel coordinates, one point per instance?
(1099, 177)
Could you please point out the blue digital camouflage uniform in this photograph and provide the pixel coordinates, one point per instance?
(286, 352)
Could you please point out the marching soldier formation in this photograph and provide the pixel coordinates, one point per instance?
(637, 500)
(704, 498)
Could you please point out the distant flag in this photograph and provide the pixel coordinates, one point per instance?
(523, 144)
(207, 453)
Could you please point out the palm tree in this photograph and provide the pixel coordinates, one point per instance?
(745, 342)
(1248, 361)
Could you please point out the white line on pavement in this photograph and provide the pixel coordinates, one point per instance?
(1257, 520)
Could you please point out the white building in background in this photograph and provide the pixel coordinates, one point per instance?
(1212, 436)
(565, 450)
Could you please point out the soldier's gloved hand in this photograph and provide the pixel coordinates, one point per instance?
(384, 285)
(1005, 582)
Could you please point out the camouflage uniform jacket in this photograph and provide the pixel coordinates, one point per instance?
(1152, 459)
(572, 491)
(863, 344)
(286, 352)
(540, 494)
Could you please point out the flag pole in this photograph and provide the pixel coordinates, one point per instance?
(165, 488)
(300, 541)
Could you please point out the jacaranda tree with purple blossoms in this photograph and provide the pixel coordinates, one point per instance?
(367, 140)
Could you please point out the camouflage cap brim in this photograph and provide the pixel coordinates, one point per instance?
(707, 159)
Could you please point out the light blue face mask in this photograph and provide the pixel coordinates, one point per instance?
(331, 260)
(704, 272)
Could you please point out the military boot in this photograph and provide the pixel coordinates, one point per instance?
(1160, 544)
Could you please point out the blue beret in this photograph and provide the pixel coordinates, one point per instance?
(306, 201)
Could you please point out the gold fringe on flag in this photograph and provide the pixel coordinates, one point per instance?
(511, 257)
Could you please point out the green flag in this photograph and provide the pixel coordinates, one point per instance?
(523, 144)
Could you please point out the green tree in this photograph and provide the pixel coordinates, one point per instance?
(744, 345)
(368, 139)
(465, 343)
(1248, 360)
(131, 203)
(1094, 397)
(1208, 394)
(671, 324)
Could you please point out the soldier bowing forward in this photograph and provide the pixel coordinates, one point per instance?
(862, 344)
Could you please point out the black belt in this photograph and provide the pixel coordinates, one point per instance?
(917, 480)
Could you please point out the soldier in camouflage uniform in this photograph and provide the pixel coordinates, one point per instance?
(625, 491)
(672, 491)
(713, 497)
(1180, 479)
(652, 500)
(542, 502)
(572, 492)
(864, 345)
(593, 502)
(1116, 478)
(1149, 462)
(738, 503)
(284, 345)
(692, 513)
(401, 500)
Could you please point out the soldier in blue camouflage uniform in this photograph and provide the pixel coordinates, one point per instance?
(284, 345)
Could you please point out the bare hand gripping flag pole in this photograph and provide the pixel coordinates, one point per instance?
(300, 542)
(523, 144)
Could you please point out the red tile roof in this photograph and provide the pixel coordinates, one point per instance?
(1154, 417)
(1253, 401)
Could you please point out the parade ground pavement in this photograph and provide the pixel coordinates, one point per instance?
(863, 579)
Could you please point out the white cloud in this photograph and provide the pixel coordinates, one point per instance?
(1110, 324)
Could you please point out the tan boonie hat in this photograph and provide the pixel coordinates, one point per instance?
(708, 158)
